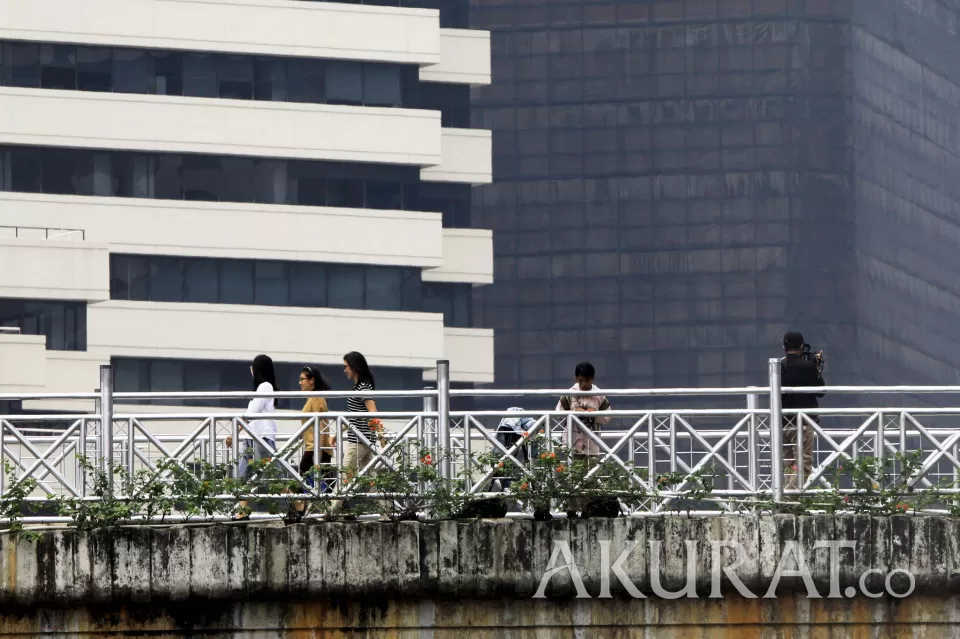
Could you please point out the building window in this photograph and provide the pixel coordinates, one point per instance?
(63, 323)
(136, 375)
(172, 176)
(452, 200)
(455, 301)
(158, 278)
(207, 75)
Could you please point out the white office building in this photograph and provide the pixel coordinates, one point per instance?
(185, 184)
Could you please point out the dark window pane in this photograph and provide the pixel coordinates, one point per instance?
(202, 178)
(139, 277)
(201, 281)
(236, 282)
(345, 83)
(199, 376)
(167, 183)
(381, 85)
(270, 182)
(345, 193)
(119, 277)
(166, 279)
(58, 66)
(235, 77)
(94, 174)
(132, 175)
(21, 62)
(168, 72)
(200, 75)
(237, 180)
(384, 289)
(94, 69)
(25, 169)
(384, 195)
(412, 289)
(130, 375)
(305, 80)
(54, 316)
(345, 287)
(307, 185)
(59, 171)
(132, 71)
(166, 376)
(272, 285)
(270, 79)
(308, 284)
(453, 300)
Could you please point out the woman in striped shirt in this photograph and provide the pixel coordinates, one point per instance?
(356, 454)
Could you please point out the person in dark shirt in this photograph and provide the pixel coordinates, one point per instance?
(797, 371)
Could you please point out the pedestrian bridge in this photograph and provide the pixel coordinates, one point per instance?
(119, 520)
(705, 461)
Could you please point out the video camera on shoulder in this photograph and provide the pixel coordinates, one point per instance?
(806, 352)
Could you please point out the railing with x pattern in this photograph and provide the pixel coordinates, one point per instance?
(744, 453)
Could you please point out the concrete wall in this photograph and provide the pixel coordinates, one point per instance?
(177, 124)
(71, 270)
(276, 27)
(435, 579)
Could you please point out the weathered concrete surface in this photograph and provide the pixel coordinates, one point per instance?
(405, 577)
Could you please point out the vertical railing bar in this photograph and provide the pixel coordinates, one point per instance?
(443, 418)
(673, 453)
(106, 421)
(776, 431)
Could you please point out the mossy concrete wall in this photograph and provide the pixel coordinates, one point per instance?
(441, 579)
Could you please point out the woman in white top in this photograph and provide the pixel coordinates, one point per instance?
(264, 381)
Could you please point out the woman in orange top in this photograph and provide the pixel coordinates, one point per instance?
(312, 380)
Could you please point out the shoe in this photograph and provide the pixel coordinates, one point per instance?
(572, 514)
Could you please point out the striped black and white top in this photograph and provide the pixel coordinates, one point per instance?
(355, 404)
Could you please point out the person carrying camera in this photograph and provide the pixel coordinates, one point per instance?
(798, 368)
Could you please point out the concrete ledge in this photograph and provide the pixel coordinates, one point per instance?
(466, 560)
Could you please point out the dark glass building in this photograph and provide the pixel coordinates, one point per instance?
(676, 183)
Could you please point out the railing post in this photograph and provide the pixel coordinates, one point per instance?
(443, 418)
(106, 421)
(753, 442)
(776, 432)
(428, 428)
(429, 424)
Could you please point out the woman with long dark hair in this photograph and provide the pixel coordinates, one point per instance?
(312, 380)
(264, 381)
(357, 454)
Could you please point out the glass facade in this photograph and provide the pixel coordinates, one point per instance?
(220, 75)
(174, 176)
(157, 278)
(134, 375)
(63, 323)
(676, 184)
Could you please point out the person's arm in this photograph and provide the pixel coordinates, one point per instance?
(563, 404)
(819, 382)
(604, 405)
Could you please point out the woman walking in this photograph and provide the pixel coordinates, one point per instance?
(312, 380)
(264, 382)
(358, 455)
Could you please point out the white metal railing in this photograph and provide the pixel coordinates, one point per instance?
(744, 446)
